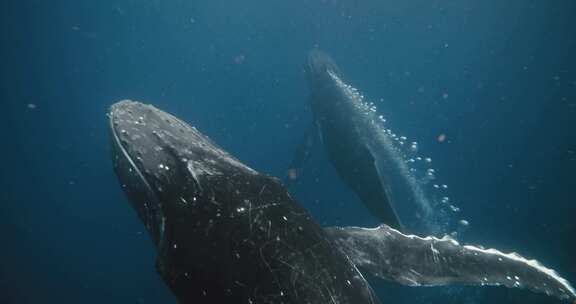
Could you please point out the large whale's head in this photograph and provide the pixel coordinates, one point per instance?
(162, 163)
(318, 67)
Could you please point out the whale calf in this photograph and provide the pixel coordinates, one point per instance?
(364, 153)
(225, 233)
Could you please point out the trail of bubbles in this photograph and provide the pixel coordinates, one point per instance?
(410, 176)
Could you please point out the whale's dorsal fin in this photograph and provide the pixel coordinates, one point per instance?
(415, 261)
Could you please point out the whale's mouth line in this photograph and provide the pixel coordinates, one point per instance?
(150, 193)
(119, 144)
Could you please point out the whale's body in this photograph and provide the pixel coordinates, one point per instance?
(225, 233)
(364, 153)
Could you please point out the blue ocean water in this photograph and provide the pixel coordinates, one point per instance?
(497, 78)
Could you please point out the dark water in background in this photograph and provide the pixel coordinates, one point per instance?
(497, 77)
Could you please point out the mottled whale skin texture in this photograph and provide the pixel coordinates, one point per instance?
(224, 232)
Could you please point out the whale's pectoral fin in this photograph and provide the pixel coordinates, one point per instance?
(411, 260)
(302, 153)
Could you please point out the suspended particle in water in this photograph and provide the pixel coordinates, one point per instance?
(31, 106)
(292, 174)
(464, 223)
(441, 138)
(239, 59)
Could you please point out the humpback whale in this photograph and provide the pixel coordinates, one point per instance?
(225, 233)
(364, 153)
